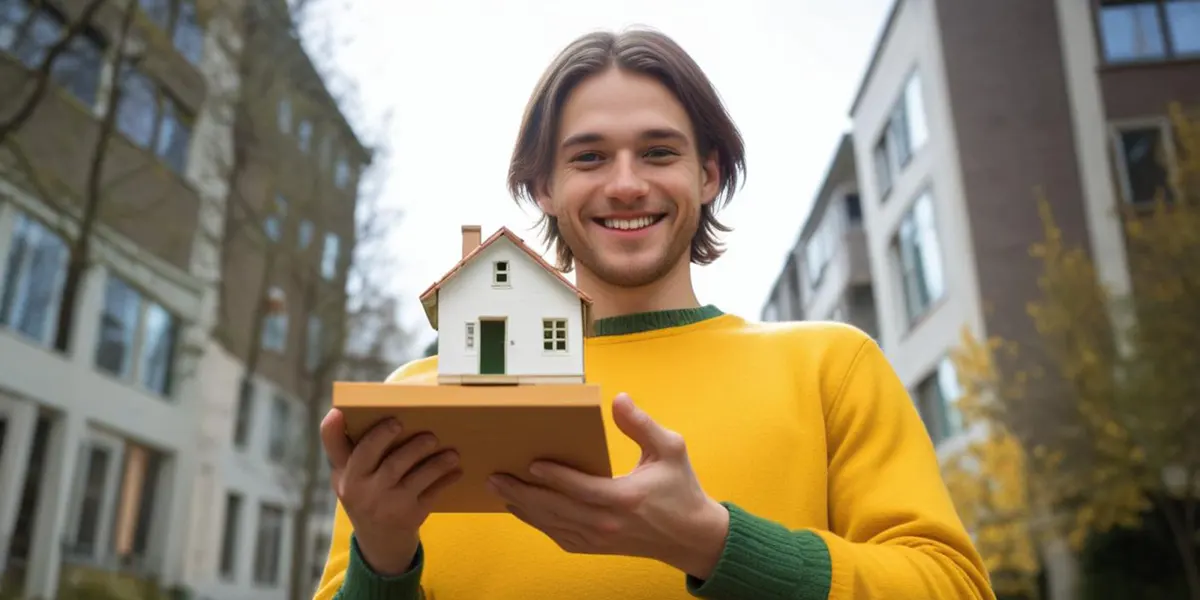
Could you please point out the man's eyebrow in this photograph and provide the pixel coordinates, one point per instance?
(658, 133)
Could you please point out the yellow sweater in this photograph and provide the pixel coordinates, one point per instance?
(802, 430)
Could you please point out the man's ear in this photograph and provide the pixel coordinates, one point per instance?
(710, 181)
(542, 196)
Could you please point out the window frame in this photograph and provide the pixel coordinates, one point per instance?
(1166, 34)
(1120, 162)
(14, 313)
(504, 272)
(912, 317)
(555, 326)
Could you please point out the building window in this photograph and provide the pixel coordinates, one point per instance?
(275, 321)
(178, 18)
(1143, 163)
(330, 254)
(554, 335)
(314, 351)
(500, 273)
(93, 487)
(229, 536)
(341, 176)
(33, 279)
(325, 151)
(304, 234)
(28, 35)
(118, 327)
(285, 115)
(268, 544)
(853, 209)
(470, 341)
(153, 120)
(1149, 30)
(245, 412)
(159, 336)
(273, 225)
(918, 254)
(861, 300)
(937, 398)
(820, 247)
(903, 135)
(304, 134)
(280, 427)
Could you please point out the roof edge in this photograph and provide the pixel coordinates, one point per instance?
(876, 51)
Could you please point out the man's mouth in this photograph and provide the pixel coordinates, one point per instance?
(632, 224)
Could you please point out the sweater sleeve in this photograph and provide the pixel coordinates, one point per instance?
(894, 532)
(348, 577)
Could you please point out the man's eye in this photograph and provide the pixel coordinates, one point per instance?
(660, 153)
(587, 157)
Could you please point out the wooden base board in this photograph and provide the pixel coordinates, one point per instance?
(494, 429)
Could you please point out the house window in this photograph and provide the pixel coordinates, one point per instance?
(1149, 30)
(554, 335)
(903, 135)
(273, 225)
(245, 411)
(500, 273)
(278, 440)
(304, 235)
(937, 398)
(1143, 163)
(341, 176)
(470, 336)
(33, 278)
(917, 251)
(178, 18)
(152, 120)
(268, 544)
(330, 255)
(28, 35)
(304, 134)
(853, 209)
(118, 327)
(275, 322)
(159, 336)
(285, 115)
(312, 345)
(229, 535)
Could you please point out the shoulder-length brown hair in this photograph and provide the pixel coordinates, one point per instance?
(649, 53)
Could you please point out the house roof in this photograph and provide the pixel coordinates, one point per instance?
(429, 297)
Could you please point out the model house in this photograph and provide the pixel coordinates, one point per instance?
(506, 316)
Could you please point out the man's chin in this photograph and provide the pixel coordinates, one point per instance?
(631, 271)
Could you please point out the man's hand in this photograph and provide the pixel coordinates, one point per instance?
(657, 511)
(386, 490)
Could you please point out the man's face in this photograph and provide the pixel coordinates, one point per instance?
(627, 184)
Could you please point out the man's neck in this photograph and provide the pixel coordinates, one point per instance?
(672, 292)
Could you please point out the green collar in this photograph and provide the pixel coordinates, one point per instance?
(649, 321)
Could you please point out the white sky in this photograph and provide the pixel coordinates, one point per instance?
(455, 76)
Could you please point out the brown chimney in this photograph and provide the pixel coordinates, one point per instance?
(471, 239)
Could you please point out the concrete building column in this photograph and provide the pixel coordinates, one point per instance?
(14, 465)
(8, 220)
(87, 322)
(58, 475)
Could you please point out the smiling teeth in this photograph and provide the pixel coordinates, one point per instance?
(637, 223)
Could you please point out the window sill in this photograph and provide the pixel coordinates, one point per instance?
(1148, 63)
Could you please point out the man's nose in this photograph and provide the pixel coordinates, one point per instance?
(627, 183)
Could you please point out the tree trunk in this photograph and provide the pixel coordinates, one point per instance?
(79, 262)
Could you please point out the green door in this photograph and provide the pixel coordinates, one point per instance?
(491, 347)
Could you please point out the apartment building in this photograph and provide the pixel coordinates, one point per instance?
(114, 434)
(826, 275)
(963, 114)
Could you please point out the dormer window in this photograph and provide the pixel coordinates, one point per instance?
(500, 273)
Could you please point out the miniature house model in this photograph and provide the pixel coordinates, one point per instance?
(506, 316)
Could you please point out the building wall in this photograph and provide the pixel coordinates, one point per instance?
(534, 295)
(912, 44)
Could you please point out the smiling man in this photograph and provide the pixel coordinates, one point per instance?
(760, 461)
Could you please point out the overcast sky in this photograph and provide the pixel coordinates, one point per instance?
(455, 76)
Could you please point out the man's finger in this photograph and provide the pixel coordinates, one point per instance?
(635, 423)
(371, 449)
(600, 491)
(548, 506)
(333, 437)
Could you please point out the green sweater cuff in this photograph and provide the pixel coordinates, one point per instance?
(362, 583)
(763, 559)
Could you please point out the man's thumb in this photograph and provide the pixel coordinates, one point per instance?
(635, 423)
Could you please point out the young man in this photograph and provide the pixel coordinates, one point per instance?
(761, 461)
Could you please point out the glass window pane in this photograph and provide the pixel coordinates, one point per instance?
(41, 34)
(33, 280)
(159, 11)
(189, 36)
(158, 349)
(13, 14)
(1145, 165)
(78, 69)
(1183, 21)
(118, 325)
(138, 111)
(914, 99)
(1131, 32)
(329, 258)
(930, 248)
(174, 137)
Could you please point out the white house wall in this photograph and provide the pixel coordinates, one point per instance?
(533, 296)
